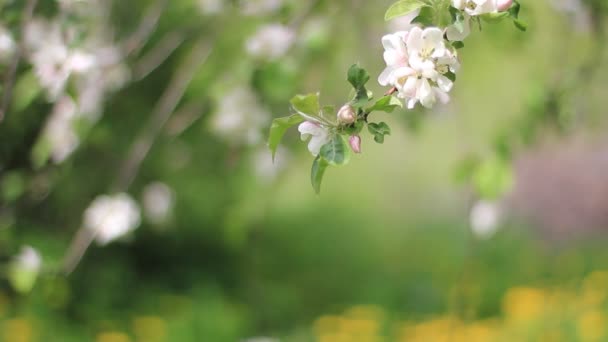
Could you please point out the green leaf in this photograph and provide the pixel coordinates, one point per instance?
(402, 7)
(493, 178)
(278, 128)
(307, 106)
(425, 18)
(26, 91)
(514, 10)
(336, 151)
(316, 173)
(495, 17)
(386, 104)
(357, 76)
(458, 45)
(522, 26)
(451, 76)
(379, 130)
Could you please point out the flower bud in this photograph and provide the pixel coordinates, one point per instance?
(355, 143)
(503, 5)
(346, 115)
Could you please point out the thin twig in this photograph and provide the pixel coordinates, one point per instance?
(146, 28)
(163, 111)
(157, 55)
(140, 148)
(9, 81)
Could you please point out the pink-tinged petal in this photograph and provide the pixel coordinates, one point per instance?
(444, 83)
(433, 39)
(308, 129)
(425, 94)
(441, 96)
(411, 103)
(414, 41)
(409, 87)
(355, 143)
(385, 77)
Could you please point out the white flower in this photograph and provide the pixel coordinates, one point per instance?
(417, 63)
(240, 117)
(158, 202)
(23, 270)
(111, 217)
(476, 7)
(270, 42)
(7, 44)
(28, 259)
(260, 7)
(485, 218)
(318, 135)
(51, 57)
(59, 133)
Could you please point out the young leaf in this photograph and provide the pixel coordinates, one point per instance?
(357, 76)
(402, 7)
(316, 173)
(386, 104)
(336, 151)
(379, 131)
(278, 128)
(307, 106)
(521, 25)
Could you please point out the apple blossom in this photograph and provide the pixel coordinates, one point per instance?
(318, 135)
(111, 217)
(239, 117)
(24, 269)
(485, 218)
(355, 143)
(158, 200)
(346, 114)
(417, 64)
(270, 42)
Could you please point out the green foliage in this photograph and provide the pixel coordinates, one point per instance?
(379, 130)
(319, 165)
(386, 104)
(278, 128)
(307, 106)
(403, 7)
(336, 152)
(358, 77)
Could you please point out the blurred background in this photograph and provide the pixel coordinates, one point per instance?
(484, 220)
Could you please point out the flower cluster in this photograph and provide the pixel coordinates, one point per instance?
(421, 65)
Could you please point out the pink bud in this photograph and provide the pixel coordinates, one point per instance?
(503, 5)
(355, 143)
(346, 115)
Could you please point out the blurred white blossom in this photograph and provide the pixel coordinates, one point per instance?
(240, 117)
(158, 202)
(7, 44)
(485, 219)
(59, 135)
(260, 7)
(270, 42)
(24, 269)
(265, 168)
(110, 217)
